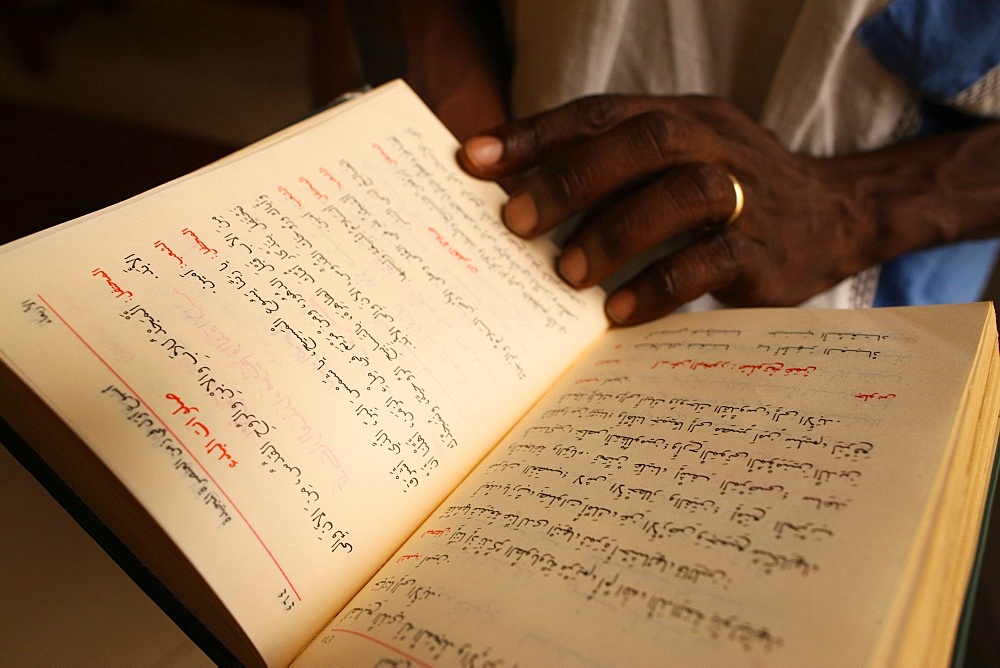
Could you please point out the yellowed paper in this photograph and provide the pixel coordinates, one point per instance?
(727, 488)
(290, 358)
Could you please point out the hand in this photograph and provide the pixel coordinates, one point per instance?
(646, 169)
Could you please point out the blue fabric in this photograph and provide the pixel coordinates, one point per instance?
(945, 275)
(940, 47)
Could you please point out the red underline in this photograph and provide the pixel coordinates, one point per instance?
(186, 448)
(384, 644)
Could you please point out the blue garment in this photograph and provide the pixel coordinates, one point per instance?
(941, 48)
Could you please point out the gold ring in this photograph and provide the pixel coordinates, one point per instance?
(740, 200)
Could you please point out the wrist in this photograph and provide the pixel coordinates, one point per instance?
(921, 193)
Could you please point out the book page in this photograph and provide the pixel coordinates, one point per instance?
(292, 356)
(729, 488)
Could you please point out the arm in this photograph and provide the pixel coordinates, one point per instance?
(644, 169)
(452, 53)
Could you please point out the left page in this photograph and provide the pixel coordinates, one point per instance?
(289, 358)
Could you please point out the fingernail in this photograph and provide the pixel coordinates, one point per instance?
(521, 215)
(621, 306)
(483, 151)
(573, 266)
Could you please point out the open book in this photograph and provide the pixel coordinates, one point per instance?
(344, 417)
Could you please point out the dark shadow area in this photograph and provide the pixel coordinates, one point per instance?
(57, 166)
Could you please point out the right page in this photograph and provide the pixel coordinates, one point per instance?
(740, 487)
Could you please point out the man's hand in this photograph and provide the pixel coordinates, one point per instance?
(645, 169)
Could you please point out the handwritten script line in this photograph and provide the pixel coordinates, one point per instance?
(153, 412)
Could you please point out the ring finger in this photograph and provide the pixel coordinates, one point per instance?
(683, 199)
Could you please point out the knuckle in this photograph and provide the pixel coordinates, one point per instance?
(727, 255)
(746, 280)
(697, 192)
(567, 181)
(524, 138)
(659, 134)
(622, 237)
(662, 276)
(711, 182)
(597, 113)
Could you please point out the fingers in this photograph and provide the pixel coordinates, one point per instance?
(684, 198)
(706, 266)
(520, 144)
(642, 171)
(580, 156)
